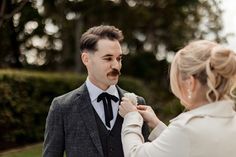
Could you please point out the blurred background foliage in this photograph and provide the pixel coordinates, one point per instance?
(25, 97)
(43, 35)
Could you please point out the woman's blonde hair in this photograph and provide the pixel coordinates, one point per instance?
(213, 65)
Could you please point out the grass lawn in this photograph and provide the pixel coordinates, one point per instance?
(30, 151)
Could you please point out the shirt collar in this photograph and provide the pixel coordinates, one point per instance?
(94, 91)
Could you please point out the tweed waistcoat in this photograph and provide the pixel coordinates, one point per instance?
(110, 139)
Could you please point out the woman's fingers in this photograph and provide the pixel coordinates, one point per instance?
(141, 107)
(126, 106)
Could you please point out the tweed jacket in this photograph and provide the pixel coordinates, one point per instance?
(71, 126)
(207, 131)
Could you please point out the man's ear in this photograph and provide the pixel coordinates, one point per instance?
(85, 57)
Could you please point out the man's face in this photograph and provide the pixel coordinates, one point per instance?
(104, 64)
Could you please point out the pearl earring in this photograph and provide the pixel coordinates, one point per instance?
(189, 94)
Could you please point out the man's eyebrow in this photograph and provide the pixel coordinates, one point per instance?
(107, 55)
(110, 55)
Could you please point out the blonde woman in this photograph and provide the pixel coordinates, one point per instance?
(203, 77)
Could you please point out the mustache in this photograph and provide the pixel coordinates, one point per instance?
(114, 72)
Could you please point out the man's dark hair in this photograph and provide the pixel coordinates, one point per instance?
(90, 38)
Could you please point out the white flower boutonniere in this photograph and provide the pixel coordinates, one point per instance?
(132, 97)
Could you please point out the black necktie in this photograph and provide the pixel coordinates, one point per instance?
(106, 99)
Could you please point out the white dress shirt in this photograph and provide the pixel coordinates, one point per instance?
(94, 92)
(207, 131)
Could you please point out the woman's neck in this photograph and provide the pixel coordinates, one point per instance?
(198, 104)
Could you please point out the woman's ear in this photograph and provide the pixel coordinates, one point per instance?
(191, 83)
(85, 58)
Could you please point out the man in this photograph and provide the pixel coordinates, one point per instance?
(85, 122)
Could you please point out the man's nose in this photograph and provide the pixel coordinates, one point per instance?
(115, 64)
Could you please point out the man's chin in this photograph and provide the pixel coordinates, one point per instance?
(113, 80)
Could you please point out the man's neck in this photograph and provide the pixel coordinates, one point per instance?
(99, 85)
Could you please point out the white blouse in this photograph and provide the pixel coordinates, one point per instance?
(207, 131)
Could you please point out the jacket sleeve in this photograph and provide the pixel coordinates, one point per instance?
(54, 143)
(145, 128)
(172, 142)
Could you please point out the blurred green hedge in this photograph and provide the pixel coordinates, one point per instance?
(25, 97)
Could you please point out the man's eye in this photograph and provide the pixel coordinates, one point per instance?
(119, 59)
(108, 59)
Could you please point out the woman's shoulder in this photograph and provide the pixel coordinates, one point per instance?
(184, 119)
(216, 110)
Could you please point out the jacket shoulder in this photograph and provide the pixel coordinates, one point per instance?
(184, 119)
(67, 99)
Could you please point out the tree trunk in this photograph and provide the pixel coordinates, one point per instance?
(13, 39)
(78, 33)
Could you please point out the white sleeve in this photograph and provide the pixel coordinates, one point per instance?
(157, 131)
(172, 142)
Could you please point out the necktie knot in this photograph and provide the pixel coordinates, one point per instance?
(106, 99)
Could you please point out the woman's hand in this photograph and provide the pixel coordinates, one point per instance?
(148, 115)
(126, 106)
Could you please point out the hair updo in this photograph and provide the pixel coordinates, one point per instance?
(213, 65)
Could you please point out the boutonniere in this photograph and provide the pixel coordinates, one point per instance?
(132, 97)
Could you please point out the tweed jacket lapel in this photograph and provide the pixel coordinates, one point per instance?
(87, 114)
(121, 92)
